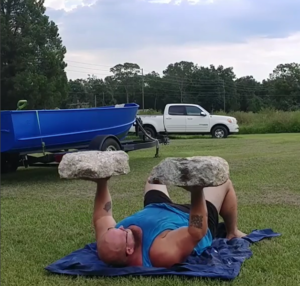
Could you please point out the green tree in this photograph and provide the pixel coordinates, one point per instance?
(127, 76)
(214, 87)
(284, 86)
(32, 56)
(207, 89)
(96, 88)
(246, 87)
(78, 94)
(155, 91)
(179, 75)
(111, 85)
(227, 96)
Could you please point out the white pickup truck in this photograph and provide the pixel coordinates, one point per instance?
(182, 118)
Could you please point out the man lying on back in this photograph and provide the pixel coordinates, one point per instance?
(163, 233)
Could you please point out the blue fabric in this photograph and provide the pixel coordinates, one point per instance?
(222, 260)
(156, 218)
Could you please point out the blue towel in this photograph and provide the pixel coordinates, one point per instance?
(223, 260)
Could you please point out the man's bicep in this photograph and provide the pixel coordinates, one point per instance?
(102, 224)
(176, 246)
(182, 240)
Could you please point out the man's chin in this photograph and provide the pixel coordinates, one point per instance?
(136, 233)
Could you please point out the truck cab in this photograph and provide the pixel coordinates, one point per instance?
(184, 118)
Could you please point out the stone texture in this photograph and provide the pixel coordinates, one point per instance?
(204, 171)
(93, 164)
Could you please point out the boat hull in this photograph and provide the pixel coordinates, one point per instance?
(48, 130)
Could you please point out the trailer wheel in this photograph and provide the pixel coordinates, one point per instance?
(110, 144)
(9, 162)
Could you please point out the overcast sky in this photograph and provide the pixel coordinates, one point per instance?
(253, 36)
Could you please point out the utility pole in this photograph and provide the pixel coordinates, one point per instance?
(143, 93)
(224, 99)
(95, 100)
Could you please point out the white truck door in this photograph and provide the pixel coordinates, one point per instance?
(175, 119)
(195, 121)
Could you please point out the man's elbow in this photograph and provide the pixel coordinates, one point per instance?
(198, 226)
(197, 233)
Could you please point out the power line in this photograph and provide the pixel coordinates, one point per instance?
(170, 80)
(166, 79)
(87, 73)
(97, 65)
(201, 84)
(87, 68)
(148, 71)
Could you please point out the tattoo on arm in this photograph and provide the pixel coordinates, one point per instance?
(107, 206)
(196, 221)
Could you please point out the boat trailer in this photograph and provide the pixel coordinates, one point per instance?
(10, 162)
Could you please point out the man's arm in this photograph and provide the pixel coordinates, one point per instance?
(178, 244)
(102, 217)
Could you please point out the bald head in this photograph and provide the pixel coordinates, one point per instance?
(114, 246)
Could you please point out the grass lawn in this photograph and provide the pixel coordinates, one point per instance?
(44, 218)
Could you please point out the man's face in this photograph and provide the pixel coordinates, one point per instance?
(120, 240)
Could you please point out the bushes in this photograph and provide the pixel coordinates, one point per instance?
(263, 122)
(149, 112)
(268, 121)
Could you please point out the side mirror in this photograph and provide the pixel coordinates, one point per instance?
(202, 113)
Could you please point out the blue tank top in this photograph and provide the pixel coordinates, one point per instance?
(156, 218)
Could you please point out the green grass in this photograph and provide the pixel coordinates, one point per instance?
(44, 218)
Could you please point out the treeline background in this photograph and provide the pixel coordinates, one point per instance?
(33, 67)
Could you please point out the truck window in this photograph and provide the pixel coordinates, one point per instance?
(193, 110)
(176, 110)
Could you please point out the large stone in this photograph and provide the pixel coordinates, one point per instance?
(203, 171)
(93, 164)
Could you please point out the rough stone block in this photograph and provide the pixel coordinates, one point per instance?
(204, 171)
(93, 164)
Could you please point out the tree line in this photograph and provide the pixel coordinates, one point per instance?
(214, 88)
(33, 68)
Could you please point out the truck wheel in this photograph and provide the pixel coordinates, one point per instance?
(110, 144)
(150, 131)
(219, 132)
(9, 162)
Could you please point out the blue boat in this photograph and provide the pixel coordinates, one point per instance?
(49, 134)
(35, 131)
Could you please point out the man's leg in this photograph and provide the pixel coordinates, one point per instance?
(158, 187)
(156, 193)
(224, 199)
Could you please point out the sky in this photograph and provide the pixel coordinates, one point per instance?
(252, 36)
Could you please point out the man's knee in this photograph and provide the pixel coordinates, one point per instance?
(229, 183)
(157, 187)
(225, 187)
(216, 195)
